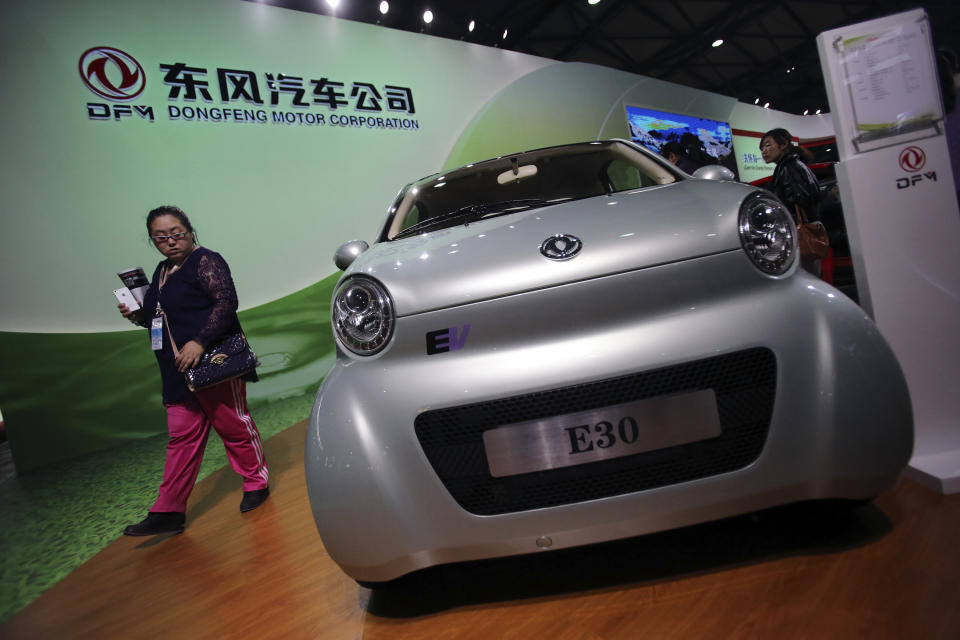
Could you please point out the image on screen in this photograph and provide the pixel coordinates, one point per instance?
(705, 141)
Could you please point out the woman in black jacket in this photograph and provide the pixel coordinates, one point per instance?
(793, 182)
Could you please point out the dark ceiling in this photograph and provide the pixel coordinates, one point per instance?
(769, 52)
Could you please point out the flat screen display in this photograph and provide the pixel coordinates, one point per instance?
(705, 141)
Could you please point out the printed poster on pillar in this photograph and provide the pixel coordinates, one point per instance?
(236, 96)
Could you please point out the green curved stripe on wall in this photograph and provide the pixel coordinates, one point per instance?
(552, 105)
(572, 102)
(64, 395)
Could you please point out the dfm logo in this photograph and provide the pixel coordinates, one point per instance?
(112, 74)
(117, 76)
(912, 160)
(444, 340)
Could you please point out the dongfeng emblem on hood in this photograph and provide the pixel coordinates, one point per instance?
(561, 246)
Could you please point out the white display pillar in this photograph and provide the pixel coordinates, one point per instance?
(900, 208)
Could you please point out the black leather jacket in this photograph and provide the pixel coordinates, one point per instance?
(794, 184)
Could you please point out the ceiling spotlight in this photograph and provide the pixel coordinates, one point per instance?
(818, 111)
(756, 101)
(384, 7)
(593, 2)
(472, 26)
(717, 43)
(504, 36)
(428, 16)
(333, 4)
(806, 111)
(766, 105)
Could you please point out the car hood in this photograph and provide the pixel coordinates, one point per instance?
(501, 255)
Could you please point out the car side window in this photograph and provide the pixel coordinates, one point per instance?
(412, 217)
(623, 176)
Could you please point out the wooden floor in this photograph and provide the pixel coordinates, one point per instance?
(889, 570)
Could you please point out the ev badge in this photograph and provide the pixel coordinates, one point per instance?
(561, 246)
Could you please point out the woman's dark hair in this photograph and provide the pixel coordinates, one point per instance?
(672, 147)
(946, 67)
(780, 136)
(169, 210)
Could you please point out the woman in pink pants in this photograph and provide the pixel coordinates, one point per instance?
(192, 299)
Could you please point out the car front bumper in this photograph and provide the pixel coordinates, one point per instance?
(839, 424)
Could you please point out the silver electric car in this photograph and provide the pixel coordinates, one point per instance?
(579, 344)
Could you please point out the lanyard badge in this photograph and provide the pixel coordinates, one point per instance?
(156, 333)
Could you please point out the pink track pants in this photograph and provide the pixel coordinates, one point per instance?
(224, 407)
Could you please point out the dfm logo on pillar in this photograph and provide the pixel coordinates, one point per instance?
(444, 340)
(912, 160)
(116, 76)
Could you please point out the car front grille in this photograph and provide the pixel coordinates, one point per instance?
(744, 383)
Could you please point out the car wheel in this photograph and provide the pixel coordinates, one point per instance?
(373, 586)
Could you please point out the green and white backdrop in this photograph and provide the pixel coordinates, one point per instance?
(281, 134)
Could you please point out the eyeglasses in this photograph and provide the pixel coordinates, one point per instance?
(173, 236)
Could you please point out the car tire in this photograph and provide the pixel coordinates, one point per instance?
(373, 586)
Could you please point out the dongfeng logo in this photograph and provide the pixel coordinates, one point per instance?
(561, 247)
(112, 74)
(912, 159)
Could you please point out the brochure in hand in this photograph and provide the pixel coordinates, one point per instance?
(136, 281)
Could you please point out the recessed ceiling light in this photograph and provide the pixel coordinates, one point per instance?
(472, 26)
(717, 43)
(384, 7)
(504, 36)
(428, 16)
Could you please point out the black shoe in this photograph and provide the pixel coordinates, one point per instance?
(157, 522)
(253, 499)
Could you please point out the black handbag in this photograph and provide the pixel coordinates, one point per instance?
(228, 358)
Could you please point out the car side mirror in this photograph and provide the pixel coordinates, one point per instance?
(714, 172)
(348, 252)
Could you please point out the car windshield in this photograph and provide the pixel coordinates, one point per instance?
(515, 183)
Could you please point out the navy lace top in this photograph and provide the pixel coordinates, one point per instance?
(200, 303)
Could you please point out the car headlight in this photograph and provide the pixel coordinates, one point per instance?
(362, 315)
(767, 233)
